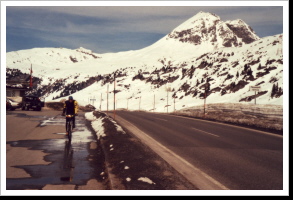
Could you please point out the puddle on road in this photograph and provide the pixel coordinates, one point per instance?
(70, 162)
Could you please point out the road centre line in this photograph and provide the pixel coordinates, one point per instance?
(162, 119)
(205, 132)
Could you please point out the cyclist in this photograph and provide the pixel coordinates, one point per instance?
(70, 108)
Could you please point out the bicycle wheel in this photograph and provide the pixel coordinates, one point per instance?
(69, 129)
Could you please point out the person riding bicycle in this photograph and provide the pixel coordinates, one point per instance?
(70, 108)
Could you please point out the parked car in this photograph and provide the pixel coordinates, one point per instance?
(8, 104)
(11, 104)
(32, 102)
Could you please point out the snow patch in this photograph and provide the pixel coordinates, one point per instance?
(90, 116)
(97, 125)
(128, 179)
(146, 179)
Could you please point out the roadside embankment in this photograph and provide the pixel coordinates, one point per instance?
(268, 117)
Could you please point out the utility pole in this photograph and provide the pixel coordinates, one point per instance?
(204, 105)
(128, 101)
(114, 94)
(205, 97)
(174, 104)
(255, 98)
(139, 103)
(31, 76)
(107, 98)
(101, 102)
(280, 48)
(167, 99)
(154, 103)
(168, 89)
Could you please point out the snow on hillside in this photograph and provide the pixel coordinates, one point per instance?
(204, 56)
(143, 89)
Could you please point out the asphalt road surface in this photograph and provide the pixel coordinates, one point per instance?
(227, 156)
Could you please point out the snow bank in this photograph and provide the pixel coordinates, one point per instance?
(97, 124)
(90, 116)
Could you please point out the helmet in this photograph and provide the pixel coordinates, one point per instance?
(70, 98)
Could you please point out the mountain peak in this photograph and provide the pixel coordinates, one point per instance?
(197, 20)
(203, 14)
(208, 28)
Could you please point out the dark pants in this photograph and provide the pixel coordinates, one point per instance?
(73, 122)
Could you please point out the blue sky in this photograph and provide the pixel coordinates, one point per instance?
(119, 28)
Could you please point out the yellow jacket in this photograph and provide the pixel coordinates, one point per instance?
(70, 107)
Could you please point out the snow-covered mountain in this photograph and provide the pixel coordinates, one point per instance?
(208, 30)
(202, 57)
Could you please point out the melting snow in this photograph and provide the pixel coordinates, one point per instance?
(146, 179)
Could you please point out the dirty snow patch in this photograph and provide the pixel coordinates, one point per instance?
(90, 116)
(128, 179)
(118, 128)
(98, 127)
(146, 179)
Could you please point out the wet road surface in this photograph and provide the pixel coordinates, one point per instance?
(67, 165)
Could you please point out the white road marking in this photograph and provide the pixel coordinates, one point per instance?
(162, 119)
(205, 132)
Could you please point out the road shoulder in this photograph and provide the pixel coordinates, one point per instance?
(134, 166)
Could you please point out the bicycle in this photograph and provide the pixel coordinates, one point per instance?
(69, 125)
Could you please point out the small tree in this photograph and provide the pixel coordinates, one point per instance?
(276, 91)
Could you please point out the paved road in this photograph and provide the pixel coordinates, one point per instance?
(232, 157)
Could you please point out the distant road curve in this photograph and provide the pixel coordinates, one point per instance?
(211, 155)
